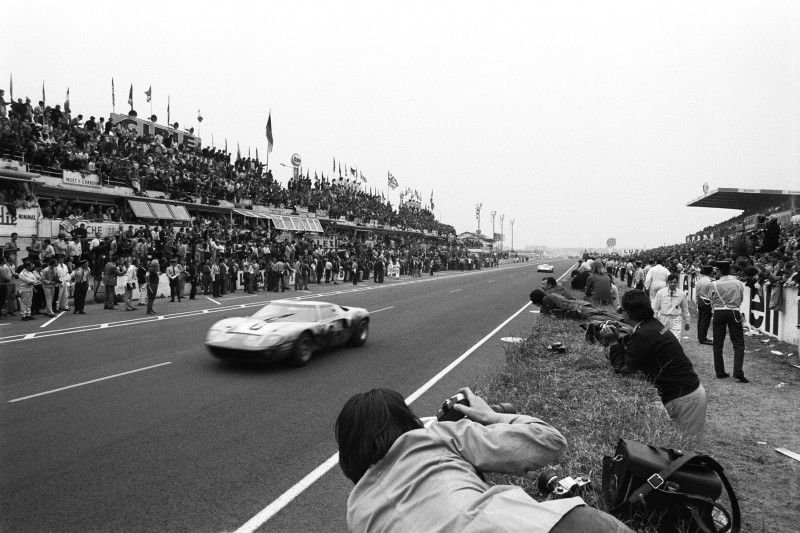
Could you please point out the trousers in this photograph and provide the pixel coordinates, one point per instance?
(729, 320)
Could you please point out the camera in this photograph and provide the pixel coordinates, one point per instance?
(593, 328)
(553, 488)
(557, 347)
(446, 412)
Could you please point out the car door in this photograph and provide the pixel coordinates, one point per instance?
(335, 324)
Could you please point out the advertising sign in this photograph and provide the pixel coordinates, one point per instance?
(611, 242)
(76, 178)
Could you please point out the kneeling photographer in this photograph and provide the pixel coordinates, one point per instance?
(654, 350)
(409, 477)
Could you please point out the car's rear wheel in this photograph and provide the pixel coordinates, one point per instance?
(360, 334)
(303, 350)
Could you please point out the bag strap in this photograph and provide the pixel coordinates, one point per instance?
(656, 480)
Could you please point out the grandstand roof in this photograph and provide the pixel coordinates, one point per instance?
(743, 199)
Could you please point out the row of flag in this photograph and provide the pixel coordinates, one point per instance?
(391, 180)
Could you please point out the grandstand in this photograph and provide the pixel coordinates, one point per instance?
(124, 170)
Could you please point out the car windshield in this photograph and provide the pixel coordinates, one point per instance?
(287, 313)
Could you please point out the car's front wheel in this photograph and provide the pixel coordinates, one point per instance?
(303, 349)
(360, 334)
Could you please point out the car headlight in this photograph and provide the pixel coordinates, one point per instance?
(217, 335)
(273, 340)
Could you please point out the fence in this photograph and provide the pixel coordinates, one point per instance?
(782, 322)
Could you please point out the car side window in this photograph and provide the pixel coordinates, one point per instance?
(329, 313)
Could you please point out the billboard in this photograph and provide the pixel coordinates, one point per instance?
(611, 242)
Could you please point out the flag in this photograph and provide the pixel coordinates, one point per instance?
(199, 116)
(226, 145)
(130, 97)
(168, 122)
(334, 164)
(256, 154)
(340, 169)
(248, 152)
(66, 102)
(362, 176)
(149, 93)
(11, 86)
(392, 181)
(43, 97)
(352, 171)
(113, 97)
(269, 133)
(238, 151)
(431, 198)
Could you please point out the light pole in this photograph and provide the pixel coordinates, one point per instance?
(478, 216)
(493, 213)
(512, 235)
(501, 231)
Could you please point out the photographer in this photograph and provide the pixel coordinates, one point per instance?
(413, 478)
(654, 350)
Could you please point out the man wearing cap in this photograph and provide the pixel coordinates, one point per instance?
(726, 297)
(27, 281)
(703, 299)
(80, 277)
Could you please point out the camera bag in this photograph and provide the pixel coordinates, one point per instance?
(667, 490)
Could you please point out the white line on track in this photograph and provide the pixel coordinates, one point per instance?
(457, 290)
(213, 300)
(284, 499)
(87, 382)
(379, 310)
(52, 320)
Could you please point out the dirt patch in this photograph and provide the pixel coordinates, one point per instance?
(746, 422)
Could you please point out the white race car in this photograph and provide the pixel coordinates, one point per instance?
(288, 329)
(544, 267)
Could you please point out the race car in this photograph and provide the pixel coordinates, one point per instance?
(285, 329)
(544, 267)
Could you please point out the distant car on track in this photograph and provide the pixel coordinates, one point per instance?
(544, 267)
(285, 329)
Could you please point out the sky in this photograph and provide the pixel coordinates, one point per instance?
(580, 121)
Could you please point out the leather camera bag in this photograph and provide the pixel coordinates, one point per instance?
(667, 490)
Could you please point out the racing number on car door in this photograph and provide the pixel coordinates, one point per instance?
(334, 325)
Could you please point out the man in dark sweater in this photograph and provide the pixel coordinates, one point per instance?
(654, 350)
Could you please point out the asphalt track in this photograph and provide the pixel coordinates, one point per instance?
(113, 422)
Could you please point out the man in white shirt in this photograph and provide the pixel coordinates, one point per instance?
(655, 280)
(672, 308)
(63, 290)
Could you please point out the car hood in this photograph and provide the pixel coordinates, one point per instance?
(254, 326)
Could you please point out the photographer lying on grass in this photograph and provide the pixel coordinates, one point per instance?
(414, 478)
(655, 351)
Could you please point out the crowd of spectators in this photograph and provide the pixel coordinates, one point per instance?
(769, 255)
(50, 138)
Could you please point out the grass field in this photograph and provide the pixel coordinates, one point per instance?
(578, 394)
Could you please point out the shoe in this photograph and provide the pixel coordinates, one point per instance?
(172, 301)
(723, 375)
(75, 312)
(81, 312)
(152, 313)
(741, 378)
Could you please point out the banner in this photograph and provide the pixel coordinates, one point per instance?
(70, 177)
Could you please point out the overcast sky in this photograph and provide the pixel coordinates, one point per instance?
(579, 120)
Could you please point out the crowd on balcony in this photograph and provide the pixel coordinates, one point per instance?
(51, 138)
